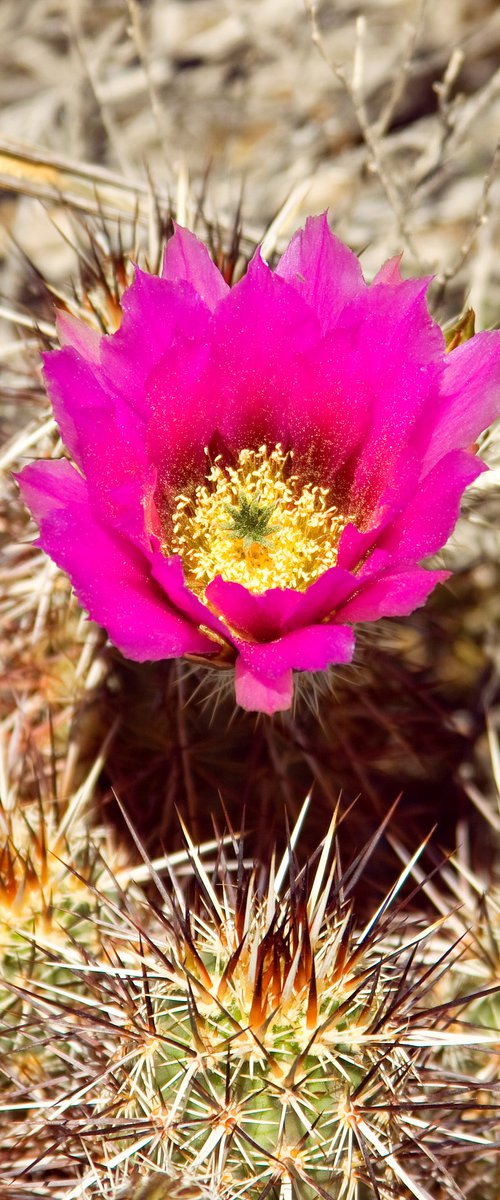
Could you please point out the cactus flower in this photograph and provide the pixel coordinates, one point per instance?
(258, 468)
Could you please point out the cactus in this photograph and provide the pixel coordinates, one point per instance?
(50, 865)
(249, 1037)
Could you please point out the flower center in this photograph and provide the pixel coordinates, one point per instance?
(256, 523)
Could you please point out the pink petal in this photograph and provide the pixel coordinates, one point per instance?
(390, 272)
(130, 509)
(355, 545)
(267, 616)
(329, 406)
(237, 382)
(360, 393)
(187, 258)
(47, 485)
(398, 364)
(392, 595)
(322, 269)
(79, 399)
(262, 695)
(428, 519)
(470, 396)
(184, 411)
(264, 672)
(260, 617)
(78, 335)
(168, 572)
(106, 440)
(308, 649)
(258, 333)
(110, 578)
(155, 312)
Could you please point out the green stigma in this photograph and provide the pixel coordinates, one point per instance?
(250, 520)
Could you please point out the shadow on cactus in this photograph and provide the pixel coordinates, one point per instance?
(388, 726)
(247, 1036)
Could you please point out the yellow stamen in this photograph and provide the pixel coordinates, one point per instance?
(304, 529)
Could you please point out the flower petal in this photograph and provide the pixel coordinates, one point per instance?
(262, 617)
(107, 441)
(155, 311)
(390, 272)
(394, 594)
(110, 578)
(79, 398)
(264, 672)
(236, 383)
(184, 413)
(251, 365)
(329, 408)
(262, 695)
(470, 396)
(361, 393)
(47, 486)
(398, 363)
(432, 513)
(308, 649)
(187, 258)
(322, 269)
(79, 335)
(266, 616)
(169, 573)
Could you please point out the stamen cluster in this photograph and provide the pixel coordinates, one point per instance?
(284, 531)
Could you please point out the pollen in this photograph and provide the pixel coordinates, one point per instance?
(257, 523)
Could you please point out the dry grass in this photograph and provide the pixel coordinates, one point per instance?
(390, 121)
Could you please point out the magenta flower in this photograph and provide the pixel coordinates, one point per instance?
(259, 468)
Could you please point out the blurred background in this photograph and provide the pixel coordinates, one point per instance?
(387, 113)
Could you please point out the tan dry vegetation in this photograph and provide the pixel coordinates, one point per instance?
(386, 113)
